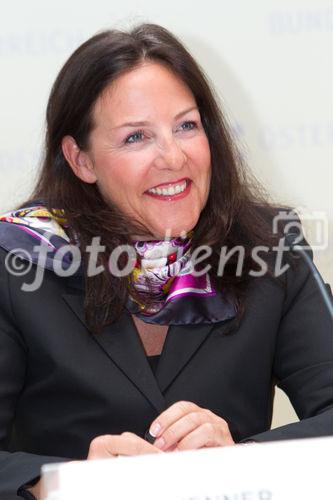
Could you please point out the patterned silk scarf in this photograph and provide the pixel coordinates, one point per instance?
(163, 273)
(170, 290)
(162, 277)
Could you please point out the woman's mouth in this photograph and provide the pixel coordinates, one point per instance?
(170, 191)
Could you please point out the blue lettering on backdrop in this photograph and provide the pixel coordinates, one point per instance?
(299, 21)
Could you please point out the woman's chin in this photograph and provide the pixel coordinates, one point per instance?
(168, 232)
(163, 230)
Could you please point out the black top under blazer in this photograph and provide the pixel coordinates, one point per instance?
(60, 385)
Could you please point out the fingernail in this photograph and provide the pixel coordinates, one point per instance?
(155, 429)
(159, 443)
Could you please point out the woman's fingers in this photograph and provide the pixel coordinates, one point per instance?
(109, 446)
(170, 416)
(206, 436)
(185, 425)
(179, 429)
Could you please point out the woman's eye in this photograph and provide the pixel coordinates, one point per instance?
(188, 125)
(136, 137)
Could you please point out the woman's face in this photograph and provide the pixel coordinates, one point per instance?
(149, 153)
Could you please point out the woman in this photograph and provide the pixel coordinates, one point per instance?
(178, 352)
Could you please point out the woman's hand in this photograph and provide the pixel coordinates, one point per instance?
(112, 445)
(183, 426)
(109, 446)
(186, 426)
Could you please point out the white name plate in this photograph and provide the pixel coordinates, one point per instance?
(285, 470)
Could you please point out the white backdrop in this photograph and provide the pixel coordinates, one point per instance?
(270, 61)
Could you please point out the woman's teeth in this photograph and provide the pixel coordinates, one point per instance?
(178, 188)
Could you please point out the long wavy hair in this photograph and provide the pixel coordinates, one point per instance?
(237, 211)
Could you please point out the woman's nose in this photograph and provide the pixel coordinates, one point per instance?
(170, 155)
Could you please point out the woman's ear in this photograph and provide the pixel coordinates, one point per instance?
(78, 160)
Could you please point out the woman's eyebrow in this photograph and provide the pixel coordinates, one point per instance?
(144, 123)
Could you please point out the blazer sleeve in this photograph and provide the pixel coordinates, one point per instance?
(18, 468)
(303, 362)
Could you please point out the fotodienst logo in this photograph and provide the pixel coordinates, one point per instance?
(309, 227)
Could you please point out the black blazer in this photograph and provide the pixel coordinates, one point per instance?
(60, 386)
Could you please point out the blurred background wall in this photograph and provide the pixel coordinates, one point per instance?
(269, 60)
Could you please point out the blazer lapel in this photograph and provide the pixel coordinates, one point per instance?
(121, 343)
(181, 343)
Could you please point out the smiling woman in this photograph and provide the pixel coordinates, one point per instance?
(163, 352)
(137, 148)
(166, 160)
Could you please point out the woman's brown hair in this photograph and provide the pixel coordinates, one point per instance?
(236, 212)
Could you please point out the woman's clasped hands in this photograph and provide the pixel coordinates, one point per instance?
(183, 426)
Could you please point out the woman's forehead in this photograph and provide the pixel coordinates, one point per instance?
(137, 94)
